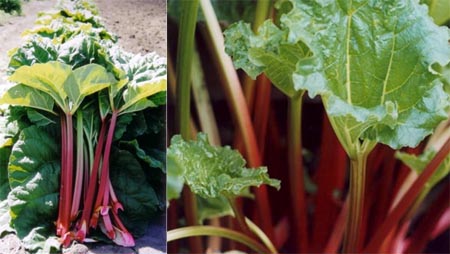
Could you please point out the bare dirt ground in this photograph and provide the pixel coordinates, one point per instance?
(140, 24)
(141, 28)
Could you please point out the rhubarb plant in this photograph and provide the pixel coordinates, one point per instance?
(379, 78)
(60, 86)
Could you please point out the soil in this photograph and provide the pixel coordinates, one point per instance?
(139, 24)
(141, 28)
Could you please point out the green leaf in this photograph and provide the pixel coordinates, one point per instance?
(374, 64)
(122, 125)
(175, 177)
(40, 119)
(156, 159)
(135, 92)
(34, 179)
(138, 106)
(267, 51)
(418, 164)
(21, 95)
(35, 50)
(209, 208)
(212, 172)
(8, 132)
(4, 184)
(133, 191)
(146, 77)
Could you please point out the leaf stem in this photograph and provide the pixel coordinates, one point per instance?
(356, 202)
(104, 174)
(180, 233)
(60, 229)
(79, 168)
(186, 37)
(184, 62)
(239, 215)
(296, 181)
(261, 235)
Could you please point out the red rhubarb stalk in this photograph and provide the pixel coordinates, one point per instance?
(60, 229)
(338, 231)
(83, 228)
(104, 173)
(330, 178)
(77, 191)
(423, 232)
(408, 199)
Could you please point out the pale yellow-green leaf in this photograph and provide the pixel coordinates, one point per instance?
(21, 95)
(48, 77)
(138, 91)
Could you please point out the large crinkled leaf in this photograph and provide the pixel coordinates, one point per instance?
(137, 196)
(267, 51)
(374, 64)
(34, 179)
(418, 164)
(146, 76)
(211, 171)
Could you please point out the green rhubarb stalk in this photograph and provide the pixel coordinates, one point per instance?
(202, 101)
(356, 203)
(261, 235)
(238, 106)
(185, 232)
(182, 114)
(184, 62)
(239, 215)
(296, 181)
